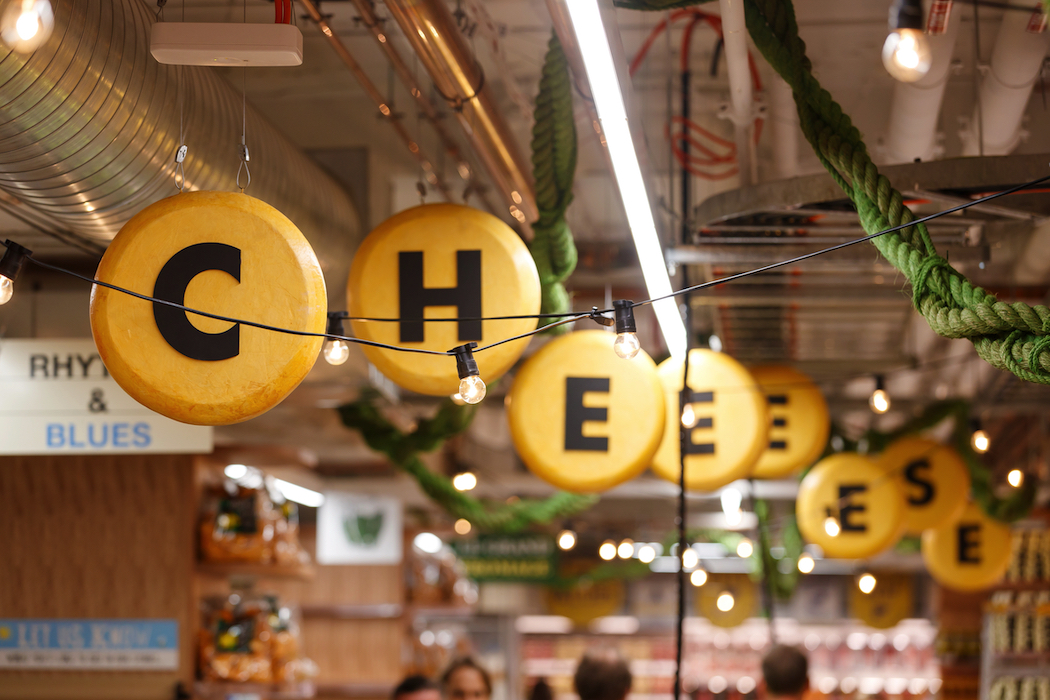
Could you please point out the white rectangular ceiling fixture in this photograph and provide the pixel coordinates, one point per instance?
(608, 100)
(226, 44)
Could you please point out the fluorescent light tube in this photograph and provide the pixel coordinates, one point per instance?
(608, 100)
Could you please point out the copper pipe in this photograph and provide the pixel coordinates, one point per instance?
(336, 43)
(429, 110)
(430, 29)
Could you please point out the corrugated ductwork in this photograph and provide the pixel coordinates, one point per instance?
(89, 126)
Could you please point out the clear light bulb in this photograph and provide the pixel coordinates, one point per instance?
(745, 549)
(698, 578)
(688, 416)
(980, 441)
(464, 481)
(608, 550)
(566, 540)
(690, 559)
(831, 526)
(472, 389)
(462, 526)
(626, 549)
(806, 564)
(458, 400)
(646, 553)
(336, 352)
(7, 289)
(866, 583)
(1015, 478)
(626, 345)
(26, 24)
(880, 401)
(725, 601)
(906, 55)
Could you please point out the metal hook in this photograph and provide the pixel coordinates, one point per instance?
(245, 157)
(180, 174)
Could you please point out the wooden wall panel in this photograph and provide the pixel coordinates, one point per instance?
(98, 537)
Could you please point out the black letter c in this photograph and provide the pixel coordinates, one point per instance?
(171, 285)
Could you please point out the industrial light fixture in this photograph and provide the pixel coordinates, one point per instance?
(10, 265)
(806, 564)
(979, 439)
(235, 471)
(26, 24)
(299, 494)
(725, 601)
(566, 540)
(698, 578)
(471, 386)
(1015, 478)
(428, 542)
(336, 351)
(626, 344)
(880, 400)
(464, 481)
(608, 101)
(866, 583)
(906, 53)
(607, 551)
(831, 526)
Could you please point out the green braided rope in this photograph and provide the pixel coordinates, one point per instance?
(403, 450)
(1014, 337)
(553, 169)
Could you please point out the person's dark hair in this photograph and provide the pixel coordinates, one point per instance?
(541, 690)
(413, 684)
(466, 662)
(785, 670)
(602, 675)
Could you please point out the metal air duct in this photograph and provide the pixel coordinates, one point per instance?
(89, 126)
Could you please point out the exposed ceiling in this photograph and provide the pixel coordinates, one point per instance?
(842, 318)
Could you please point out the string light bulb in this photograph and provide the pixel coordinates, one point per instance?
(831, 526)
(880, 400)
(566, 540)
(690, 559)
(607, 551)
(906, 53)
(745, 548)
(698, 578)
(626, 549)
(336, 351)
(626, 344)
(10, 265)
(688, 416)
(465, 481)
(462, 526)
(471, 386)
(1015, 478)
(806, 564)
(646, 553)
(979, 439)
(26, 24)
(866, 583)
(725, 601)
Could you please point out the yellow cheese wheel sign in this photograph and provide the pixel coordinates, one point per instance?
(892, 601)
(799, 421)
(865, 505)
(584, 419)
(228, 254)
(587, 601)
(934, 479)
(442, 261)
(731, 425)
(727, 600)
(969, 554)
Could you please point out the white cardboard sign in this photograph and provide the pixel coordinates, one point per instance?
(358, 529)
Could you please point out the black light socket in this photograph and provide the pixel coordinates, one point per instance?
(623, 310)
(906, 14)
(14, 258)
(335, 323)
(466, 365)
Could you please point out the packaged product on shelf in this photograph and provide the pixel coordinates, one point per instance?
(286, 548)
(238, 525)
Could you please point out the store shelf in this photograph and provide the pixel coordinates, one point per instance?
(440, 611)
(208, 690)
(1023, 586)
(384, 611)
(303, 572)
(356, 690)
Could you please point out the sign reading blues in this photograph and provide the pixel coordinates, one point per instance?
(110, 645)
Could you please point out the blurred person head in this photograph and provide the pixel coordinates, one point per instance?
(417, 688)
(785, 672)
(465, 679)
(602, 675)
(541, 690)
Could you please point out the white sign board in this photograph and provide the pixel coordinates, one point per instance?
(357, 529)
(56, 397)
